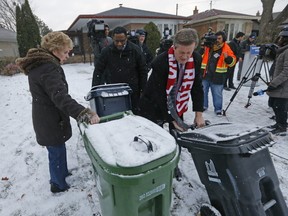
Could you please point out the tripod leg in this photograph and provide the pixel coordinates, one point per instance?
(245, 79)
(234, 94)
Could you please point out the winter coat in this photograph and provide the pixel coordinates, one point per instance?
(51, 103)
(280, 75)
(214, 64)
(153, 102)
(99, 45)
(245, 46)
(147, 54)
(122, 66)
(235, 47)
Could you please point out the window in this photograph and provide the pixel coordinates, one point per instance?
(232, 28)
(230, 34)
(160, 28)
(76, 41)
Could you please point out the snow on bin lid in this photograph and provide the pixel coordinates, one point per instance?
(114, 141)
(221, 132)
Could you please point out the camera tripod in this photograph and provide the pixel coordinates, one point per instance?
(255, 76)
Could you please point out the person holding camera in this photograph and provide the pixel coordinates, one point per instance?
(166, 42)
(122, 62)
(235, 47)
(216, 59)
(278, 87)
(103, 42)
(52, 106)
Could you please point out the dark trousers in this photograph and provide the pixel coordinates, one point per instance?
(58, 165)
(240, 66)
(229, 77)
(280, 108)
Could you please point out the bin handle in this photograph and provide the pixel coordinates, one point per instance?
(146, 141)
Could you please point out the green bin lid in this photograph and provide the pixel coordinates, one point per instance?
(129, 145)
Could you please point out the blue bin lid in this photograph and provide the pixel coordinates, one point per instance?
(109, 90)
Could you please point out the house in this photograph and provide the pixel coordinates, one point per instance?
(130, 18)
(220, 20)
(283, 24)
(8, 43)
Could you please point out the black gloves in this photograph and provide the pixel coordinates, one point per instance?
(271, 88)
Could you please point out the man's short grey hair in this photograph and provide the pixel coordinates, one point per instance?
(186, 37)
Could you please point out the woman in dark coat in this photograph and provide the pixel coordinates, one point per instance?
(51, 103)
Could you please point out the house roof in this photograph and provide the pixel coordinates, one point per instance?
(132, 12)
(276, 14)
(215, 13)
(7, 35)
(121, 16)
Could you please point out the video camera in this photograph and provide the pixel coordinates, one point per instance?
(167, 33)
(209, 40)
(268, 51)
(134, 34)
(96, 29)
(166, 42)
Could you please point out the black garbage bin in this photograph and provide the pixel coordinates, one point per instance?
(109, 99)
(234, 164)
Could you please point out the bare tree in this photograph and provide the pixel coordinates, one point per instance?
(7, 14)
(268, 26)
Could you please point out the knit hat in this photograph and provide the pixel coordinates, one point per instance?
(140, 32)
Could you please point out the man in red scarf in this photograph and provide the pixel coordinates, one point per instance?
(176, 75)
(174, 79)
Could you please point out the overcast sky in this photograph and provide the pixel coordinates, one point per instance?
(59, 15)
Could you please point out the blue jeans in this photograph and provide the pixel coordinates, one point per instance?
(58, 165)
(217, 95)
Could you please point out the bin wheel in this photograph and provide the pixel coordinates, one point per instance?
(208, 210)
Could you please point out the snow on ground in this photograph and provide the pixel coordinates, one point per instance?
(24, 183)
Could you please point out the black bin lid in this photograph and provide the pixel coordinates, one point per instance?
(226, 138)
(109, 90)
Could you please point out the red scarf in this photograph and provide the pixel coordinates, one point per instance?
(187, 82)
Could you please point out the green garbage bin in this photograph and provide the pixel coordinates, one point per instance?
(134, 161)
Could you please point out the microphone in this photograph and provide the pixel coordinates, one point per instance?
(259, 92)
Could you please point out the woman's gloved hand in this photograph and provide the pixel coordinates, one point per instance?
(88, 116)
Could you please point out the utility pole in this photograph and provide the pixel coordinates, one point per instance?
(177, 9)
(211, 5)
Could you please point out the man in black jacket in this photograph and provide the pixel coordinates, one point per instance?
(176, 74)
(235, 47)
(245, 46)
(122, 62)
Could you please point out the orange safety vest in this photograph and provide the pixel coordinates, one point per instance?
(221, 64)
